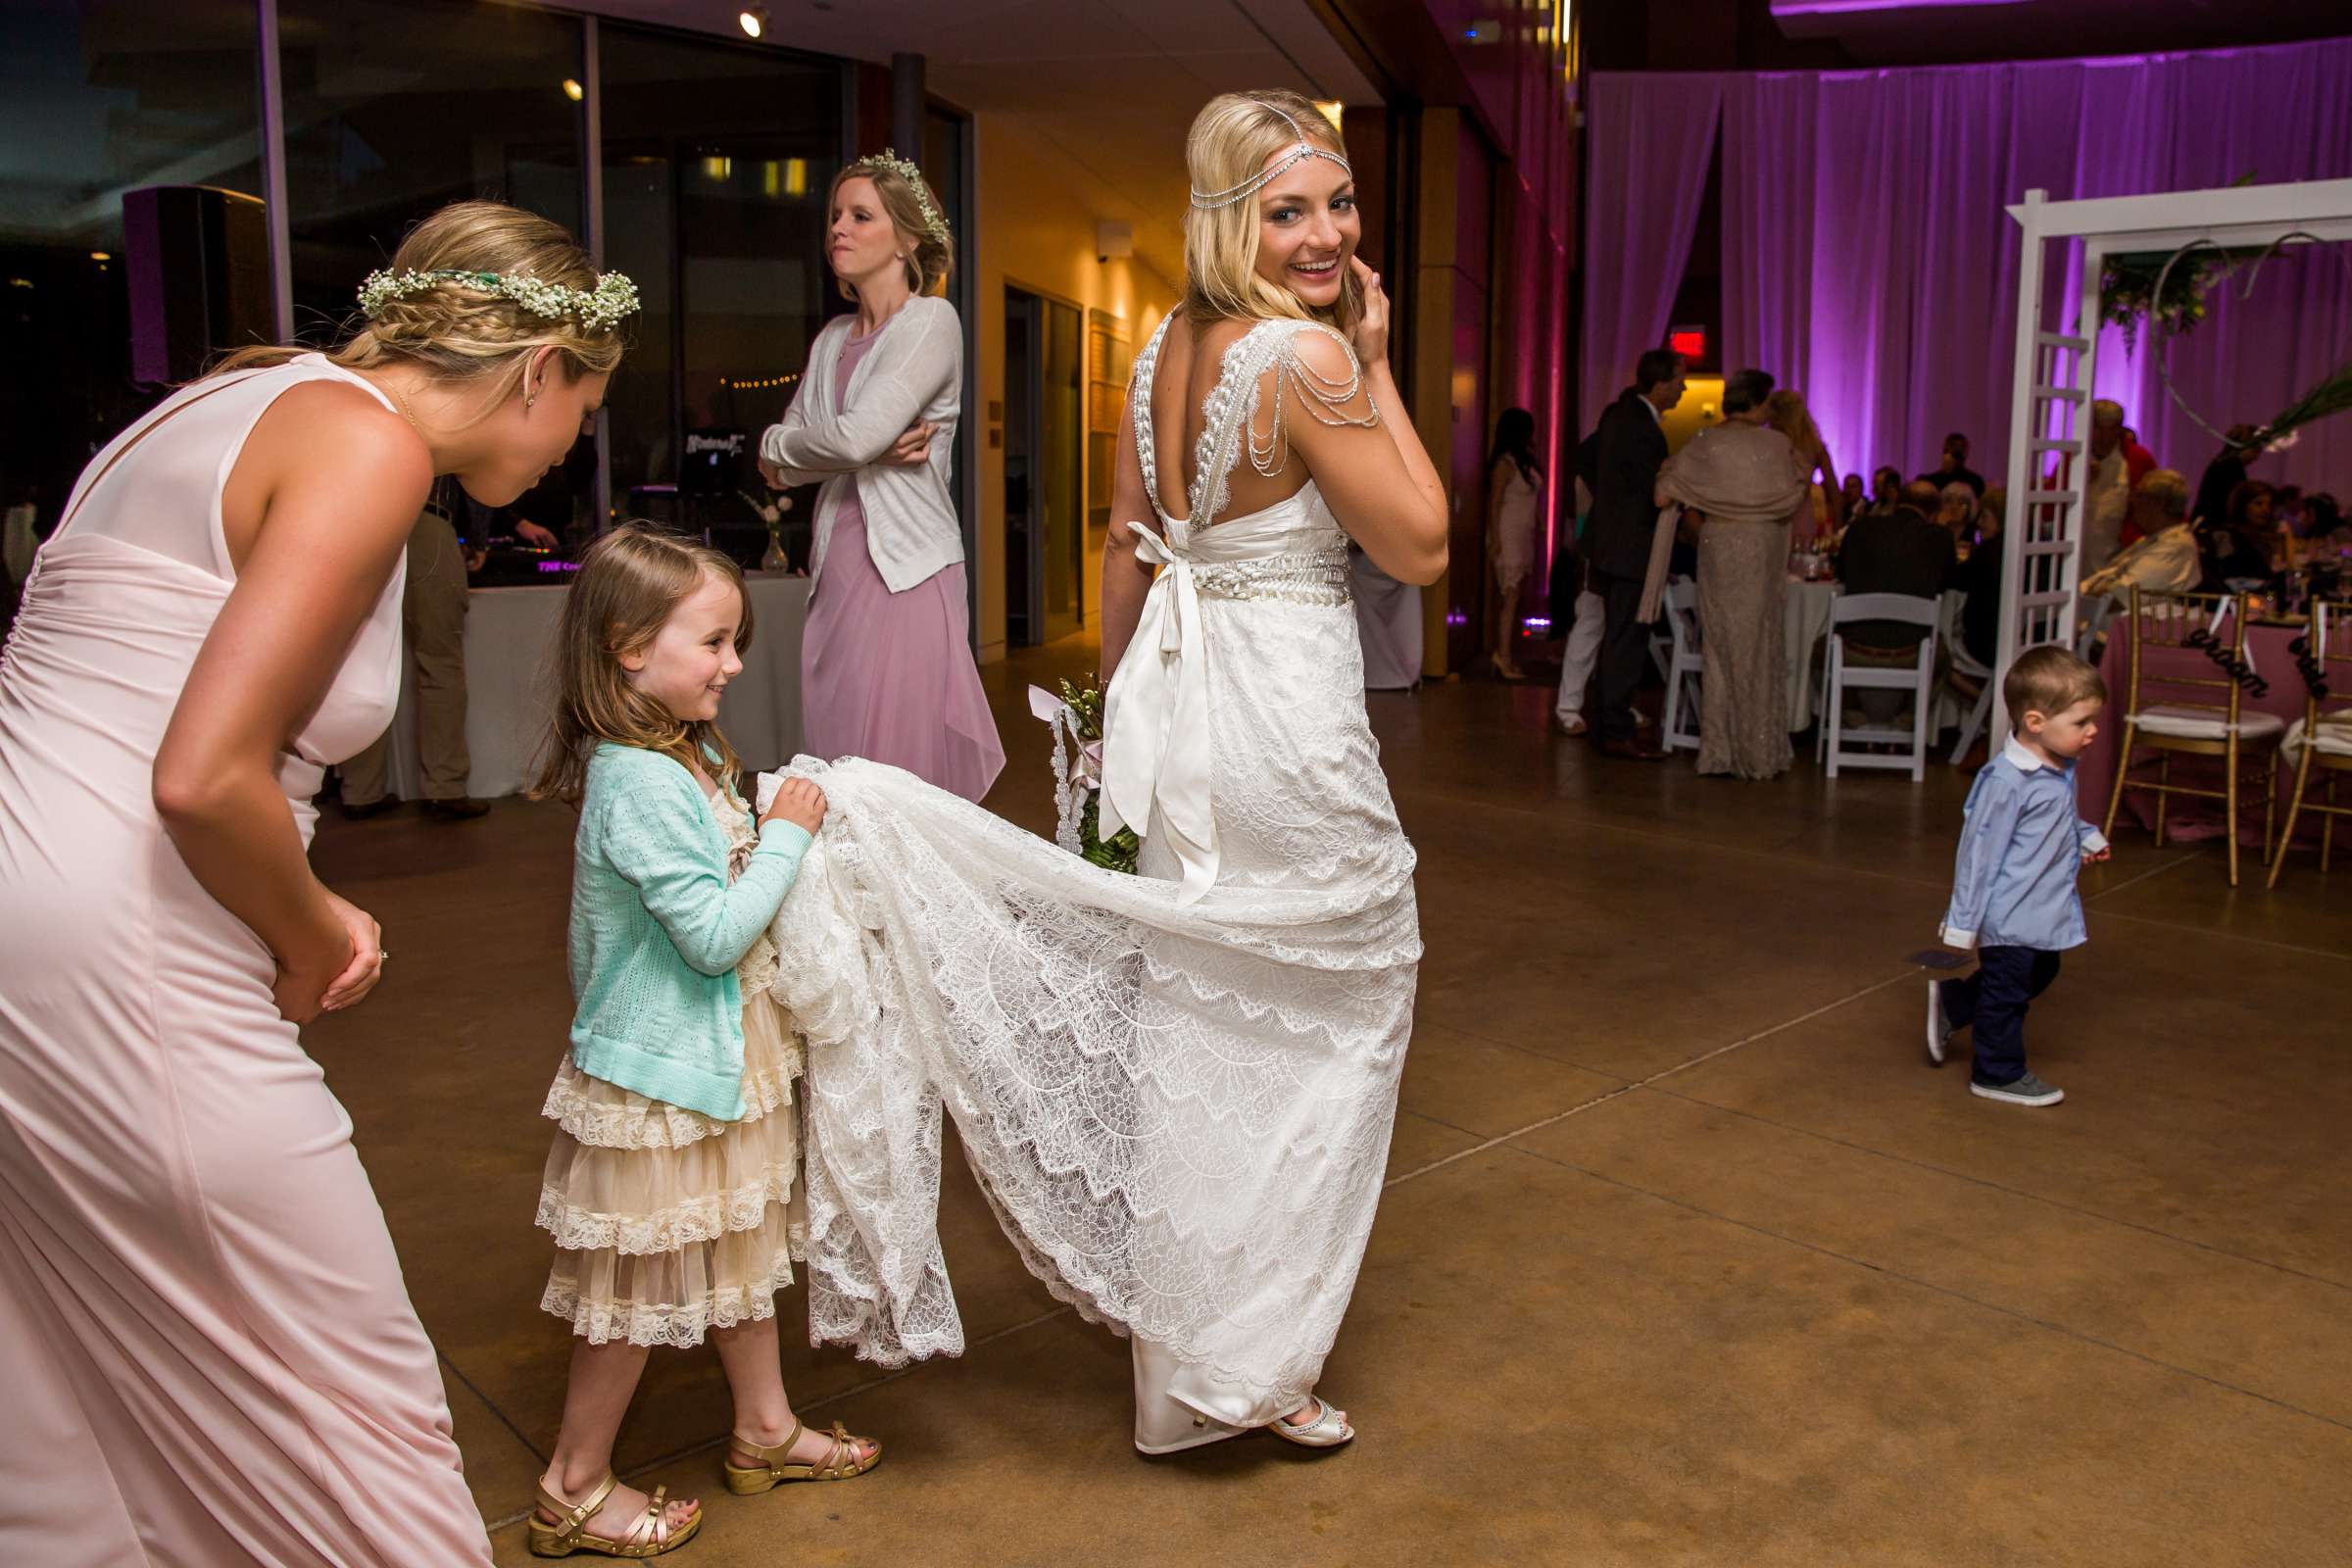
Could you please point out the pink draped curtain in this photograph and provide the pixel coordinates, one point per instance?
(1652, 138)
(1867, 259)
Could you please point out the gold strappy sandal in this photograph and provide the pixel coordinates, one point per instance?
(1328, 1429)
(650, 1536)
(840, 1463)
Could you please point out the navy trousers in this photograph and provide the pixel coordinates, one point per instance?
(1992, 1003)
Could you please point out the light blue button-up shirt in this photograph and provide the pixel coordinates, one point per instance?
(2013, 881)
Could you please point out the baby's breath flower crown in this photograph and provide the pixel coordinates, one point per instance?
(597, 310)
(933, 224)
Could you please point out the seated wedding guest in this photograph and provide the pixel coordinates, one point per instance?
(1885, 489)
(2165, 560)
(1955, 508)
(2245, 545)
(1855, 499)
(2324, 526)
(1954, 469)
(2226, 473)
(1979, 577)
(2116, 467)
(1904, 551)
(2286, 510)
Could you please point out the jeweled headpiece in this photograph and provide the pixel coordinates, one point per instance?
(597, 308)
(934, 225)
(1283, 164)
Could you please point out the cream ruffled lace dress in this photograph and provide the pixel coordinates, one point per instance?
(668, 1223)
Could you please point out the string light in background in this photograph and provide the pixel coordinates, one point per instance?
(753, 20)
(574, 90)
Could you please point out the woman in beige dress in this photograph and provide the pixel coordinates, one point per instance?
(1750, 487)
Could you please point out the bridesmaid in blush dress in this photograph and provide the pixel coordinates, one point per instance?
(210, 1354)
(887, 668)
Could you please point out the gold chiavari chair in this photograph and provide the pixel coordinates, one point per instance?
(2327, 729)
(2169, 714)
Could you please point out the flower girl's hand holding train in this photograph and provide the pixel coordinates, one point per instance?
(797, 802)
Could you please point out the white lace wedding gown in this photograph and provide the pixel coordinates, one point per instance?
(1176, 1088)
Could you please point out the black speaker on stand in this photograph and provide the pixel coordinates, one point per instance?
(198, 260)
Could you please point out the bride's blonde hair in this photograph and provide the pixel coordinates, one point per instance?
(1231, 140)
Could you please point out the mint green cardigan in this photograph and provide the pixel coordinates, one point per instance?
(657, 932)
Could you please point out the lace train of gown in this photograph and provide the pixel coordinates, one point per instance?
(1175, 1088)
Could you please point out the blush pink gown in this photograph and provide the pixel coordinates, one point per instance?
(208, 1353)
(888, 676)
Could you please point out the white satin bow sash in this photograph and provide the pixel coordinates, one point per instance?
(1155, 719)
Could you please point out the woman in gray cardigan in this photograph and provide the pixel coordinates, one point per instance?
(887, 670)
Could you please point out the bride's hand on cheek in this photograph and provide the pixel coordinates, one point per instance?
(1371, 336)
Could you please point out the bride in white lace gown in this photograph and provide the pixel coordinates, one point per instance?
(1176, 1088)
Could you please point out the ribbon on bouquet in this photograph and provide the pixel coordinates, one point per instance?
(1077, 766)
(1155, 719)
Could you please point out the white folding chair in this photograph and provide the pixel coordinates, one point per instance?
(1837, 678)
(1661, 640)
(1963, 663)
(1686, 664)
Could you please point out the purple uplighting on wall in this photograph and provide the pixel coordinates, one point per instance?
(1869, 261)
(1832, 8)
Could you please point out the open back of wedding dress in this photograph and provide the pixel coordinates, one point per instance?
(1176, 1088)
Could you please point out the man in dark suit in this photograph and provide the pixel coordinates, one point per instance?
(1902, 553)
(1630, 448)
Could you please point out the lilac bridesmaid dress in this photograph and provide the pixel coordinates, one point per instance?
(890, 677)
(209, 1351)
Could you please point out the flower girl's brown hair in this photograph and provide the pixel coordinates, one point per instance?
(628, 583)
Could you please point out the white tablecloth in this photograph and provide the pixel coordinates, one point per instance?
(510, 638)
(1804, 622)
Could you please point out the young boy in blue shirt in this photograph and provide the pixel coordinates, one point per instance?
(2013, 884)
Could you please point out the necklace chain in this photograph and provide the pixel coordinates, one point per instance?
(406, 411)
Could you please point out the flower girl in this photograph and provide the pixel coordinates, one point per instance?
(672, 1186)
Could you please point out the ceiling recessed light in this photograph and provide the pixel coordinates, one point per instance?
(753, 20)
(101, 256)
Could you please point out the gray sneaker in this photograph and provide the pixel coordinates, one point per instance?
(2026, 1090)
(1939, 1028)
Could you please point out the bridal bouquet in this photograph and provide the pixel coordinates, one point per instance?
(1076, 717)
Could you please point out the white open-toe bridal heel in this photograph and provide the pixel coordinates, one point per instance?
(1328, 1429)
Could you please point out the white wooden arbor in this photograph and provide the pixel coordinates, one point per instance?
(2049, 412)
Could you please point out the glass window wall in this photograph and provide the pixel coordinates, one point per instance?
(135, 245)
(395, 109)
(717, 159)
(102, 100)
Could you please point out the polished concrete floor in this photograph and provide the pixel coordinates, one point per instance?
(1687, 1256)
